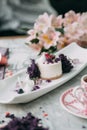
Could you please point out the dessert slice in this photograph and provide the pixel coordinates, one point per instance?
(50, 66)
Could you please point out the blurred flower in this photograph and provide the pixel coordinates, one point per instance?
(49, 37)
(51, 33)
(71, 17)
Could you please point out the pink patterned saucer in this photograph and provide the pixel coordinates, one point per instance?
(70, 104)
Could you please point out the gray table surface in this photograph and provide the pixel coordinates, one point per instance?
(58, 118)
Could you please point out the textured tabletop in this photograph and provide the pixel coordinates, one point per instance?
(57, 118)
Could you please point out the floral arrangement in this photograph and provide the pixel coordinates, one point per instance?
(51, 33)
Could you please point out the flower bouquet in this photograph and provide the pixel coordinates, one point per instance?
(51, 33)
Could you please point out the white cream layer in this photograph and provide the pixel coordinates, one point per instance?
(50, 71)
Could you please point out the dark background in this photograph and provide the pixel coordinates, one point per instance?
(63, 6)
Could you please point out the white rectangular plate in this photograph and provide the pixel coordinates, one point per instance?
(7, 86)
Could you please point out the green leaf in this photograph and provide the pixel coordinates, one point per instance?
(37, 34)
(50, 50)
(61, 30)
(35, 40)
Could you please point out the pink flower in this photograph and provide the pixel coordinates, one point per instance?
(49, 38)
(56, 22)
(48, 21)
(42, 22)
(83, 21)
(71, 17)
(31, 32)
(48, 30)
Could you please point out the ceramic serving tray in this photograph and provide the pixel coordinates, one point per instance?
(8, 95)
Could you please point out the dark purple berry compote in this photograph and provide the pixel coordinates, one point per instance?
(66, 64)
(33, 70)
(28, 122)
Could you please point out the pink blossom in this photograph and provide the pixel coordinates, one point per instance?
(71, 17)
(42, 22)
(50, 38)
(56, 22)
(46, 30)
(83, 20)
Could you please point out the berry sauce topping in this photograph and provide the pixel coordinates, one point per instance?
(51, 58)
